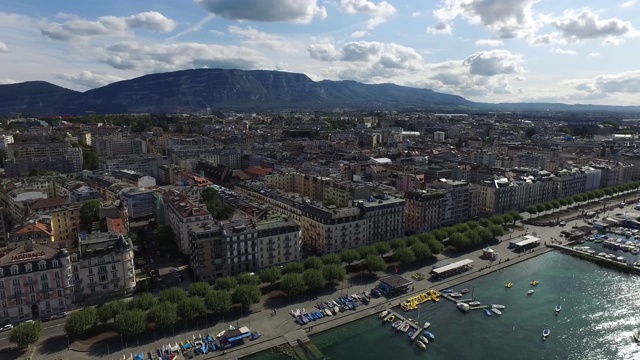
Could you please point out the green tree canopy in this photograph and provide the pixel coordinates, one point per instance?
(219, 209)
(382, 247)
(435, 246)
(227, 283)
(532, 209)
(174, 295)
(349, 256)
(131, 323)
(472, 224)
(547, 206)
(485, 234)
(248, 279)
(293, 268)
(89, 159)
(374, 263)
(515, 215)
(507, 218)
(313, 262)
(484, 222)
(440, 234)
(421, 251)
(496, 230)
(111, 310)
(541, 208)
(79, 322)
(292, 284)
(89, 213)
(314, 279)
(143, 302)
(163, 314)
(404, 255)
(199, 289)
(270, 275)
(562, 202)
(397, 243)
(331, 259)
(218, 301)
(458, 240)
(334, 273)
(412, 240)
(25, 334)
(425, 237)
(191, 307)
(365, 251)
(247, 295)
(497, 219)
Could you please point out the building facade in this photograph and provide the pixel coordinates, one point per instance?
(423, 210)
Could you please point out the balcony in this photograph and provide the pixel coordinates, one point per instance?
(32, 281)
(17, 296)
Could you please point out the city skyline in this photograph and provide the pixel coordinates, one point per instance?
(490, 50)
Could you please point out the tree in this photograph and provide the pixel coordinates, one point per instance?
(331, 259)
(569, 200)
(131, 323)
(484, 222)
(577, 198)
(435, 246)
(247, 295)
(143, 302)
(89, 159)
(163, 314)
(227, 283)
(404, 255)
(111, 310)
(562, 202)
(190, 307)
(532, 210)
(219, 209)
(507, 218)
(374, 263)
(397, 243)
(349, 256)
(365, 251)
(425, 237)
(547, 206)
(293, 268)
(473, 237)
(515, 215)
(25, 334)
(248, 279)
(485, 234)
(313, 262)
(174, 295)
(79, 322)
(497, 219)
(382, 247)
(218, 301)
(555, 204)
(165, 236)
(199, 289)
(421, 251)
(270, 275)
(608, 191)
(440, 234)
(541, 208)
(292, 284)
(333, 273)
(89, 213)
(314, 279)
(472, 224)
(462, 227)
(496, 230)
(458, 240)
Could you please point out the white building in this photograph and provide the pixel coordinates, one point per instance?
(5, 140)
(180, 214)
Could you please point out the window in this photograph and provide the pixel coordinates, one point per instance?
(42, 265)
(32, 298)
(90, 271)
(32, 289)
(90, 279)
(58, 283)
(45, 286)
(28, 267)
(59, 293)
(113, 266)
(114, 274)
(55, 263)
(75, 268)
(20, 311)
(76, 277)
(16, 282)
(105, 287)
(104, 277)
(43, 277)
(14, 270)
(74, 257)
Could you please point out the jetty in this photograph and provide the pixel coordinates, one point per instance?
(416, 327)
(303, 348)
(629, 268)
(455, 301)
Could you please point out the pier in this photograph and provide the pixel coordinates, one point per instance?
(629, 268)
(413, 326)
(303, 348)
(455, 301)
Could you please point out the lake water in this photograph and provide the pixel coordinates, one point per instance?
(600, 310)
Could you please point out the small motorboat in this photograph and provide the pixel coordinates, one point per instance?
(328, 312)
(636, 335)
(455, 295)
(411, 333)
(405, 328)
(558, 308)
(497, 306)
(429, 336)
(423, 340)
(426, 325)
(464, 291)
(396, 324)
(412, 321)
(391, 318)
(383, 314)
(534, 283)
(421, 345)
(508, 285)
(496, 311)
(474, 303)
(336, 309)
(545, 334)
(462, 306)
(447, 291)
(487, 312)
(530, 292)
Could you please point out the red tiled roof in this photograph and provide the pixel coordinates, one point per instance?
(33, 228)
(116, 225)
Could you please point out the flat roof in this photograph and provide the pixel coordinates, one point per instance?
(455, 265)
(396, 281)
(528, 239)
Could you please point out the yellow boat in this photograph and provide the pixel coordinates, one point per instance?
(509, 285)
(391, 318)
(534, 283)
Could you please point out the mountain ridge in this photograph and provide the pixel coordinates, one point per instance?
(245, 90)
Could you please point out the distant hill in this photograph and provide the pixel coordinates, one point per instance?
(255, 90)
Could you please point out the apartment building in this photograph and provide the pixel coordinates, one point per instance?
(330, 229)
(139, 202)
(5, 140)
(65, 224)
(484, 157)
(23, 158)
(118, 145)
(569, 183)
(146, 164)
(37, 232)
(531, 160)
(102, 267)
(460, 202)
(35, 281)
(501, 195)
(384, 216)
(279, 240)
(424, 210)
(409, 182)
(180, 213)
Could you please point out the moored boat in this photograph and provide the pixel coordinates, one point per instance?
(474, 303)
(464, 291)
(447, 291)
(396, 324)
(423, 340)
(426, 325)
(508, 285)
(391, 318)
(383, 314)
(462, 306)
(405, 327)
(496, 311)
(411, 333)
(455, 295)
(636, 335)
(546, 333)
(530, 292)
(421, 345)
(534, 283)
(429, 336)
(328, 312)
(487, 312)
(558, 308)
(497, 306)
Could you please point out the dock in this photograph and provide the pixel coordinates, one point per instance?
(454, 300)
(629, 268)
(303, 348)
(397, 316)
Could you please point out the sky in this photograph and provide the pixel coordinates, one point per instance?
(485, 50)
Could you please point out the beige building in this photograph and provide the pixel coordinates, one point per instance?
(424, 210)
(180, 214)
(65, 224)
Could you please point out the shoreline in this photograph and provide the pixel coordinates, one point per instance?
(360, 314)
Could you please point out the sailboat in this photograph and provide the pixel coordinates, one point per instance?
(558, 309)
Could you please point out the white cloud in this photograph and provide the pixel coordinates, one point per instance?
(3, 48)
(441, 27)
(296, 11)
(382, 55)
(519, 78)
(89, 79)
(494, 62)
(76, 27)
(612, 41)
(624, 82)
(359, 34)
(507, 19)
(416, 14)
(560, 51)
(379, 12)
(628, 4)
(254, 38)
(585, 24)
(593, 54)
(489, 42)
(195, 27)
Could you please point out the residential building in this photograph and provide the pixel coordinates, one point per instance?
(35, 281)
(22, 158)
(180, 214)
(84, 138)
(279, 240)
(409, 182)
(484, 157)
(117, 145)
(65, 224)
(5, 140)
(438, 136)
(460, 201)
(531, 160)
(384, 216)
(38, 232)
(83, 193)
(424, 210)
(103, 267)
(146, 164)
(139, 202)
(501, 195)
(569, 183)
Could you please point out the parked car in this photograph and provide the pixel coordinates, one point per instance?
(28, 322)
(563, 223)
(59, 315)
(6, 328)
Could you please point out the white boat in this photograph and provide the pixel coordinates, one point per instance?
(336, 309)
(497, 306)
(530, 292)
(545, 333)
(423, 340)
(426, 325)
(463, 306)
(328, 312)
(455, 295)
(421, 345)
(383, 314)
(295, 313)
(496, 311)
(635, 251)
(558, 308)
(405, 327)
(474, 303)
(636, 335)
